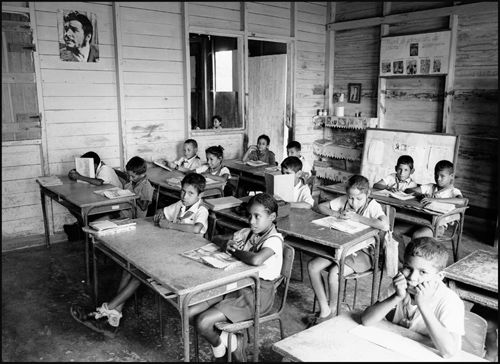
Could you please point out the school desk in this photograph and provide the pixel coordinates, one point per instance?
(81, 200)
(475, 278)
(301, 234)
(152, 252)
(411, 211)
(159, 176)
(344, 339)
(248, 174)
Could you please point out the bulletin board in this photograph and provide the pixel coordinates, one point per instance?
(383, 147)
(416, 54)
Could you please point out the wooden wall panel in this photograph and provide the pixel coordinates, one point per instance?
(269, 18)
(222, 15)
(349, 10)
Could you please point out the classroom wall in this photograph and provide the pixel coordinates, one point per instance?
(416, 104)
(138, 107)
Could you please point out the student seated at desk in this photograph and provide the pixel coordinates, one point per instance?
(355, 205)
(401, 180)
(103, 174)
(420, 301)
(139, 184)
(106, 318)
(214, 168)
(260, 152)
(188, 214)
(442, 191)
(189, 161)
(259, 245)
(293, 149)
(302, 198)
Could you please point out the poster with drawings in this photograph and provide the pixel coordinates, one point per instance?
(416, 54)
(383, 147)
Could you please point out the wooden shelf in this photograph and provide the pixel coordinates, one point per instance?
(344, 122)
(327, 148)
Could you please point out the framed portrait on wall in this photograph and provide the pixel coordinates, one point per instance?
(354, 93)
(78, 37)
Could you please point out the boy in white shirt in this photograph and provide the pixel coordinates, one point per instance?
(401, 180)
(420, 301)
(293, 150)
(188, 214)
(301, 193)
(190, 160)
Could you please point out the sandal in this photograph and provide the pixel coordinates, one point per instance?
(87, 318)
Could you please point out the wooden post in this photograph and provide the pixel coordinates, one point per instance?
(122, 127)
(187, 70)
(448, 125)
(330, 56)
(382, 81)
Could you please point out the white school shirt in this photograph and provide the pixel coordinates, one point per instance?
(372, 211)
(393, 181)
(191, 163)
(446, 305)
(223, 171)
(432, 190)
(177, 209)
(302, 193)
(108, 175)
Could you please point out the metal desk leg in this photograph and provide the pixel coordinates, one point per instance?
(85, 219)
(256, 319)
(94, 275)
(375, 267)
(341, 280)
(45, 221)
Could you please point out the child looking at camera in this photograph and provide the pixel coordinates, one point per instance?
(214, 168)
(188, 214)
(259, 245)
(420, 301)
(401, 180)
(189, 161)
(260, 152)
(356, 206)
(302, 198)
(293, 149)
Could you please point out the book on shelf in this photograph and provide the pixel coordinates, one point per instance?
(49, 181)
(440, 207)
(114, 192)
(111, 224)
(211, 255)
(161, 163)
(220, 203)
(85, 166)
(347, 226)
(256, 163)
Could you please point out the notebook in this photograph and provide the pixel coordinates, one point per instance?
(211, 255)
(440, 207)
(281, 185)
(159, 163)
(111, 224)
(347, 226)
(114, 192)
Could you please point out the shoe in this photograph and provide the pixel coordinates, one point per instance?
(240, 354)
(87, 317)
(222, 359)
(319, 320)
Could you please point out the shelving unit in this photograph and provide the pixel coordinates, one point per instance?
(341, 148)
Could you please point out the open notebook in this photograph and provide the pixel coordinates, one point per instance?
(347, 226)
(211, 255)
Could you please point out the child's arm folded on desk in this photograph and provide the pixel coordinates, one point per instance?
(251, 258)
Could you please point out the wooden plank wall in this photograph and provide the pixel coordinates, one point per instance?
(416, 103)
(81, 104)
(310, 84)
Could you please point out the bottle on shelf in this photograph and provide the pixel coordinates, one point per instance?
(339, 108)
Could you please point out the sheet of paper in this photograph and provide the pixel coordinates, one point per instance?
(347, 226)
(397, 343)
(376, 152)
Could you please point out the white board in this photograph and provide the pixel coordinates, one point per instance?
(383, 147)
(416, 54)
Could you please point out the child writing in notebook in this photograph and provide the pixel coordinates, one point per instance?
(301, 193)
(189, 161)
(354, 205)
(293, 149)
(185, 215)
(260, 152)
(188, 214)
(420, 301)
(259, 245)
(441, 191)
(401, 180)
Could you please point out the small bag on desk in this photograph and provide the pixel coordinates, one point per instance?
(390, 246)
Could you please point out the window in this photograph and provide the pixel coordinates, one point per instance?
(216, 81)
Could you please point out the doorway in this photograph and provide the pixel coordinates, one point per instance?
(267, 94)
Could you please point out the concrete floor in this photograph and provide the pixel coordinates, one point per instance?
(39, 285)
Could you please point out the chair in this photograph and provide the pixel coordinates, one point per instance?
(475, 334)
(281, 285)
(456, 234)
(391, 213)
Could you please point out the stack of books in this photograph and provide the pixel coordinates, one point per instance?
(112, 226)
(49, 181)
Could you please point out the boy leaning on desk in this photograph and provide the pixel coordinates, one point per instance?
(420, 301)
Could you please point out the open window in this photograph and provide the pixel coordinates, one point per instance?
(216, 81)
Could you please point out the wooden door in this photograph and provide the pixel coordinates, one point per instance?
(20, 114)
(267, 101)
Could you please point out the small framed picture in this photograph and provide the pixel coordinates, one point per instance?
(354, 93)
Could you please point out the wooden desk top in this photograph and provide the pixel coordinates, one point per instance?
(159, 176)
(238, 165)
(337, 340)
(479, 268)
(82, 194)
(157, 252)
(298, 224)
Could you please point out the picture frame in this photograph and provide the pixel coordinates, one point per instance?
(354, 93)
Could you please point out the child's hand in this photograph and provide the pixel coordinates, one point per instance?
(73, 174)
(165, 224)
(347, 214)
(171, 165)
(427, 200)
(393, 189)
(158, 216)
(232, 246)
(252, 147)
(400, 284)
(425, 291)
